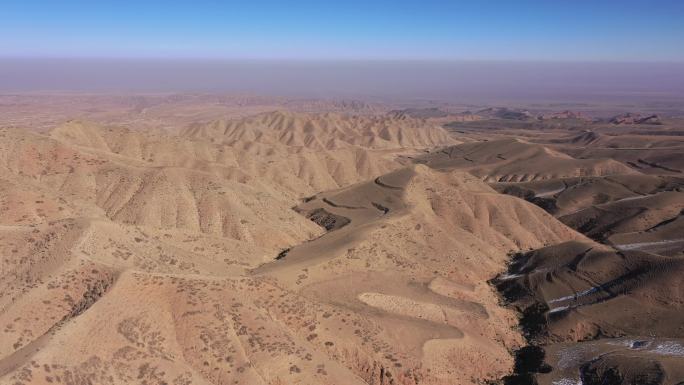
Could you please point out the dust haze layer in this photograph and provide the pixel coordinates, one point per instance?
(462, 81)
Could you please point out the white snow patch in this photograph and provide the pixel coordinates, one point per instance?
(576, 295)
(632, 344)
(642, 245)
(509, 276)
(567, 381)
(631, 198)
(669, 349)
(548, 192)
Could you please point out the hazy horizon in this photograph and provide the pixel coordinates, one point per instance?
(470, 51)
(441, 80)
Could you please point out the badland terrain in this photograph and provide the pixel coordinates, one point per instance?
(204, 239)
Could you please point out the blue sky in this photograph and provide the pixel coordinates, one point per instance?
(553, 30)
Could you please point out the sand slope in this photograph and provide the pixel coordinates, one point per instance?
(515, 160)
(309, 248)
(161, 258)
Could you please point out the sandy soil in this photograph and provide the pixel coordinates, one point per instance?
(204, 240)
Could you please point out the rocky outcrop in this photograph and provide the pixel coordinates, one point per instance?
(505, 113)
(636, 118)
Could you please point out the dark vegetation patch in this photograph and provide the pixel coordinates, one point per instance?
(282, 254)
(380, 207)
(656, 165)
(548, 204)
(529, 360)
(328, 220)
(93, 293)
(618, 369)
(382, 184)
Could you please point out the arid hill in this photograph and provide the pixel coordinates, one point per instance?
(632, 118)
(581, 291)
(591, 313)
(182, 260)
(563, 115)
(321, 132)
(504, 113)
(515, 160)
(324, 247)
